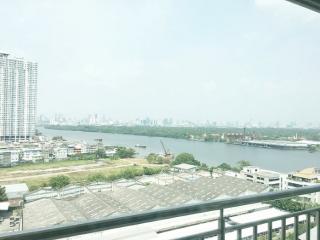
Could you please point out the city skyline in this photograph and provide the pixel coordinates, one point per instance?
(255, 60)
(96, 119)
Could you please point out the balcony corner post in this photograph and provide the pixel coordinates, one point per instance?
(221, 226)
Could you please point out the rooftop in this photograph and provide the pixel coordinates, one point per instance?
(4, 206)
(268, 174)
(185, 166)
(96, 205)
(308, 173)
(16, 188)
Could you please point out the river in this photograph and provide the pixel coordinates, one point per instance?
(211, 153)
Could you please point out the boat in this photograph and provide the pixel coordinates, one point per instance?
(140, 146)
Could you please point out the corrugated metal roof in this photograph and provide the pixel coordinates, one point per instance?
(16, 188)
(4, 206)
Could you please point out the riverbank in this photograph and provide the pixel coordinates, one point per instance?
(209, 134)
(211, 153)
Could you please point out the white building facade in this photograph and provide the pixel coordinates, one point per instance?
(266, 177)
(31, 155)
(9, 157)
(60, 153)
(18, 98)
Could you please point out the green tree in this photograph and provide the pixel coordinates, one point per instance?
(243, 163)
(3, 195)
(155, 158)
(100, 153)
(186, 158)
(123, 152)
(204, 166)
(59, 181)
(58, 138)
(225, 167)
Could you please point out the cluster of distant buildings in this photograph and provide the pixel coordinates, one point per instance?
(101, 119)
(43, 150)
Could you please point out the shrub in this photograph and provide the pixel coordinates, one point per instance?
(97, 177)
(33, 188)
(59, 181)
(204, 166)
(289, 205)
(3, 195)
(131, 173)
(155, 159)
(225, 166)
(151, 171)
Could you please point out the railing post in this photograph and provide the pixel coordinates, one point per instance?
(255, 232)
(239, 234)
(296, 228)
(308, 227)
(318, 224)
(269, 230)
(221, 226)
(283, 229)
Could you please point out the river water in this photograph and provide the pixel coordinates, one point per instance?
(211, 153)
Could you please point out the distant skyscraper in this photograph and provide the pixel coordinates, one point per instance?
(18, 98)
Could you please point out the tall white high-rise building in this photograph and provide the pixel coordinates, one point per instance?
(18, 98)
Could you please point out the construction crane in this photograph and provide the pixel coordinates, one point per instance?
(164, 148)
(166, 154)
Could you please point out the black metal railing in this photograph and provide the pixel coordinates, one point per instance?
(220, 205)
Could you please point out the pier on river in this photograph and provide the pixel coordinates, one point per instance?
(277, 144)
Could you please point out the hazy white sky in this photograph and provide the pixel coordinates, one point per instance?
(198, 60)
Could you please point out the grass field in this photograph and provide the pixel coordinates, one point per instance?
(67, 163)
(83, 177)
(43, 166)
(36, 175)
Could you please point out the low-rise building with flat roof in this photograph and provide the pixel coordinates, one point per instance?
(8, 157)
(15, 193)
(183, 167)
(266, 177)
(31, 154)
(60, 153)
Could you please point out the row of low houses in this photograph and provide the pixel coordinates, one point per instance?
(14, 156)
(11, 155)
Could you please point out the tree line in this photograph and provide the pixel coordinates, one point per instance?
(188, 132)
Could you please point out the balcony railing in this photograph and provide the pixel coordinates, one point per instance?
(220, 205)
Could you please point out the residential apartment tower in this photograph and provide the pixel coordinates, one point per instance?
(18, 98)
